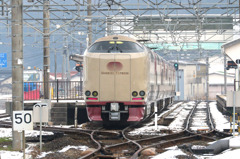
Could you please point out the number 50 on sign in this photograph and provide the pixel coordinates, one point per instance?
(22, 120)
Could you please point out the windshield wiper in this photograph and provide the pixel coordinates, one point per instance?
(110, 48)
(119, 49)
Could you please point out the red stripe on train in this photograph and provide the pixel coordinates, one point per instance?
(125, 103)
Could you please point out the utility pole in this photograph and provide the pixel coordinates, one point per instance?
(17, 65)
(46, 48)
(89, 13)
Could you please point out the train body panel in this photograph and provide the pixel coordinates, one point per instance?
(123, 79)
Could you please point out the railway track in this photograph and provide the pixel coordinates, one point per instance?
(199, 119)
(118, 143)
(4, 115)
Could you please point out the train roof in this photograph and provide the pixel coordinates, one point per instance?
(116, 37)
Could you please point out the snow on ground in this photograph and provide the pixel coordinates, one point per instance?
(177, 124)
(7, 132)
(220, 121)
(82, 148)
(171, 153)
(12, 155)
(150, 128)
(2, 111)
(230, 153)
(175, 151)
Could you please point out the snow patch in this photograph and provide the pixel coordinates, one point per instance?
(220, 120)
(170, 154)
(83, 148)
(7, 132)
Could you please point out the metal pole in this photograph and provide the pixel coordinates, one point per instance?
(234, 103)
(40, 128)
(156, 114)
(66, 53)
(55, 65)
(2, 7)
(207, 80)
(89, 13)
(75, 117)
(225, 74)
(178, 76)
(57, 90)
(196, 79)
(64, 66)
(234, 96)
(46, 48)
(17, 65)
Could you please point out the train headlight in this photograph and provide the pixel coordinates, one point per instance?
(134, 93)
(95, 93)
(142, 93)
(87, 93)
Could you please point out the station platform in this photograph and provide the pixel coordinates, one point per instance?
(222, 105)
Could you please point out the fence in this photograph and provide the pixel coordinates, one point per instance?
(59, 90)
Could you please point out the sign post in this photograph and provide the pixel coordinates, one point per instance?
(3, 60)
(40, 115)
(22, 120)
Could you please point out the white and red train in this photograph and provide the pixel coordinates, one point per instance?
(123, 79)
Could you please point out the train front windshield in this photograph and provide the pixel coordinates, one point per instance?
(115, 47)
(31, 77)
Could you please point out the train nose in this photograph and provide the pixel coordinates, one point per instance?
(114, 66)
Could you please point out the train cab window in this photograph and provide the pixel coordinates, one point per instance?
(33, 77)
(115, 47)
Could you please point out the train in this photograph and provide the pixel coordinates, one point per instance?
(33, 79)
(123, 80)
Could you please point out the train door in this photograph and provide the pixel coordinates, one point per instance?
(115, 77)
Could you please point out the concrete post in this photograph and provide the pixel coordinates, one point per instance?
(89, 13)
(46, 48)
(17, 65)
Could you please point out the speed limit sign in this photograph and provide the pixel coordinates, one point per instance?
(22, 120)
